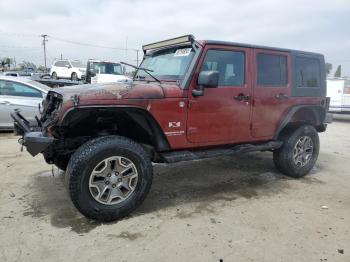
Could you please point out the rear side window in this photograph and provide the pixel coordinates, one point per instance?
(230, 65)
(308, 72)
(9, 88)
(272, 70)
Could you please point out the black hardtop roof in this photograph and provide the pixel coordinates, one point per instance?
(227, 43)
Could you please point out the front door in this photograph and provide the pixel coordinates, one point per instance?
(222, 114)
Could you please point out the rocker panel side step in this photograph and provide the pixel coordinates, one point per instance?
(187, 155)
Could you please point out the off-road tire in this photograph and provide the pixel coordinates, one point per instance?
(74, 77)
(87, 157)
(283, 157)
(54, 75)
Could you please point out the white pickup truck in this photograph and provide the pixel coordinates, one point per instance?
(98, 71)
(338, 89)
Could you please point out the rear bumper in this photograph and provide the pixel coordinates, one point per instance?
(35, 141)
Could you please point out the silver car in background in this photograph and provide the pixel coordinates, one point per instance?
(19, 93)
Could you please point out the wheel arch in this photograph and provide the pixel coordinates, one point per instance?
(303, 114)
(132, 122)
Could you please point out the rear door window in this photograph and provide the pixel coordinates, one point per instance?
(272, 70)
(308, 72)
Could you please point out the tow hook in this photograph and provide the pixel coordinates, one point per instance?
(21, 142)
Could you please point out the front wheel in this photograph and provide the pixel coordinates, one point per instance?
(299, 152)
(108, 177)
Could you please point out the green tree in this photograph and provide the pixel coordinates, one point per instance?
(26, 64)
(329, 67)
(338, 71)
(6, 61)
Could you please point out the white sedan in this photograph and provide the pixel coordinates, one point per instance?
(19, 93)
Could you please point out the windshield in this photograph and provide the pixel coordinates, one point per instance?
(77, 64)
(106, 68)
(168, 64)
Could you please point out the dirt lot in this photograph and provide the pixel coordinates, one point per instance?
(233, 209)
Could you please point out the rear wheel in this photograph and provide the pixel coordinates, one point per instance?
(109, 177)
(299, 152)
(54, 75)
(74, 77)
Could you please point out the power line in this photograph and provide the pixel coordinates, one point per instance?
(91, 45)
(19, 34)
(19, 47)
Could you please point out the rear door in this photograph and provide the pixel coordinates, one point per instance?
(221, 115)
(65, 69)
(58, 68)
(15, 95)
(272, 89)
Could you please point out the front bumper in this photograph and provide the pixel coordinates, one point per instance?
(34, 140)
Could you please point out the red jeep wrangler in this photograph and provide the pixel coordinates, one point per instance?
(189, 100)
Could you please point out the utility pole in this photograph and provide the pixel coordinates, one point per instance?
(44, 44)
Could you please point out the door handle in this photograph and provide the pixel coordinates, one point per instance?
(281, 96)
(242, 97)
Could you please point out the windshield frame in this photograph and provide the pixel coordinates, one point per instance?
(185, 80)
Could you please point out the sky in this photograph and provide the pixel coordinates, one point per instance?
(314, 25)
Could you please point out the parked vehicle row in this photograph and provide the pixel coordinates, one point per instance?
(68, 69)
(95, 71)
(99, 71)
(189, 100)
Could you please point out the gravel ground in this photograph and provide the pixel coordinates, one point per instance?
(229, 209)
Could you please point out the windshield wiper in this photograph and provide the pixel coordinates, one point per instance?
(143, 69)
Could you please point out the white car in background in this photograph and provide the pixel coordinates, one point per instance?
(338, 89)
(69, 69)
(19, 93)
(98, 71)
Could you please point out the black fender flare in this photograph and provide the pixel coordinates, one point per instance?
(319, 114)
(139, 115)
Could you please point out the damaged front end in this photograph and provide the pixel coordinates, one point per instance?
(36, 137)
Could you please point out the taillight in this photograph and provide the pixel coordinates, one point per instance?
(347, 90)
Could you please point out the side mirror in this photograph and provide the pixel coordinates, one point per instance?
(68, 66)
(207, 79)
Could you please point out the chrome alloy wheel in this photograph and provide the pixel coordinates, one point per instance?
(113, 180)
(303, 151)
